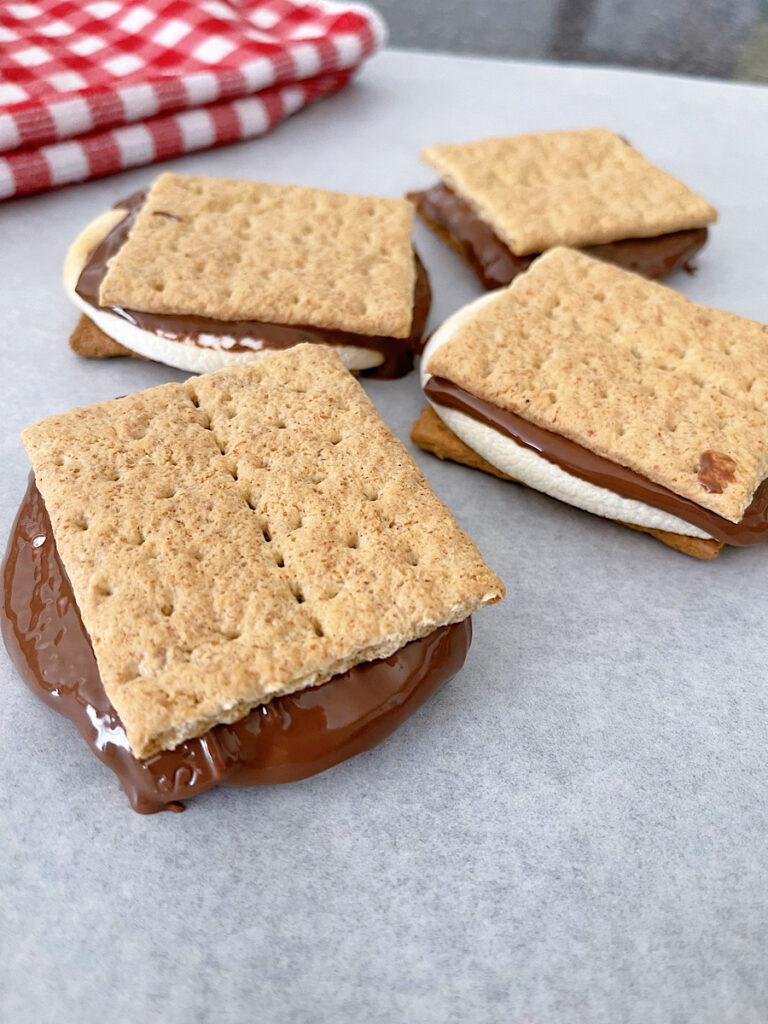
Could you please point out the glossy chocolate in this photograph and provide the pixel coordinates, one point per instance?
(586, 465)
(398, 353)
(716, 471)
(291, 738)
(496, 265)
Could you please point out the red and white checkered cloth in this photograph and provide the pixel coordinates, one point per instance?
(91, 88)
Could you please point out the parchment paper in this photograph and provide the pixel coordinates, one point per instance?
(575, 828)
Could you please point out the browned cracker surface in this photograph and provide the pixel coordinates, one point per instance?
(89, 341)
(430, 433)
(572, 188)
(244, 534)
(242, 250)
(625, 367)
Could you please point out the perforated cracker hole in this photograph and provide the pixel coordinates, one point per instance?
(103, 590)
(318, 629)
(297, 593)
(371, 494)
(353, 541)
(59, 460)
(165, 492)
(279, 560)
(266, 534)
(166, 610)
(411, 558)
(251, 502)
(81, 523)
(294, 523)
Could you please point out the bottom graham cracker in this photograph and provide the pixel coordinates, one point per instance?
(89, 341)
(430, 433)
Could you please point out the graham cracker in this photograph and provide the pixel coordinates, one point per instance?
(625, 367)
(573, 188)
(244, 534)
(91, 342)
(431, 433)
(243, 250)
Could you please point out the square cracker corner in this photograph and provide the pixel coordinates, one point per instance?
(91, 342)
(244, 250)
(244, 534)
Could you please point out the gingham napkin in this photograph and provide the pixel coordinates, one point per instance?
(91, 88)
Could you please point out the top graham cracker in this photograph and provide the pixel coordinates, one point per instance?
(244, 534)
(626, 368)
(242, 250)
(572, 188)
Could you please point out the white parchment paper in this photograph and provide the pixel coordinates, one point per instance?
(575, 829)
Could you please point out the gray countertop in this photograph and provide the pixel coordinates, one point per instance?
(575, 828)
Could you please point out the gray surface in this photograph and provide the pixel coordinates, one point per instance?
(573, 830)
(720, 38)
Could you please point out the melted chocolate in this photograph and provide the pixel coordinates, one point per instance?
(716, 471)
(586, 465)
(289, 739)
(398, 353)
(496, 265)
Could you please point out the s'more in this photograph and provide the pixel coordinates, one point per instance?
(500, 202)
(202, 273)
(612, 393)
(239, 579)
